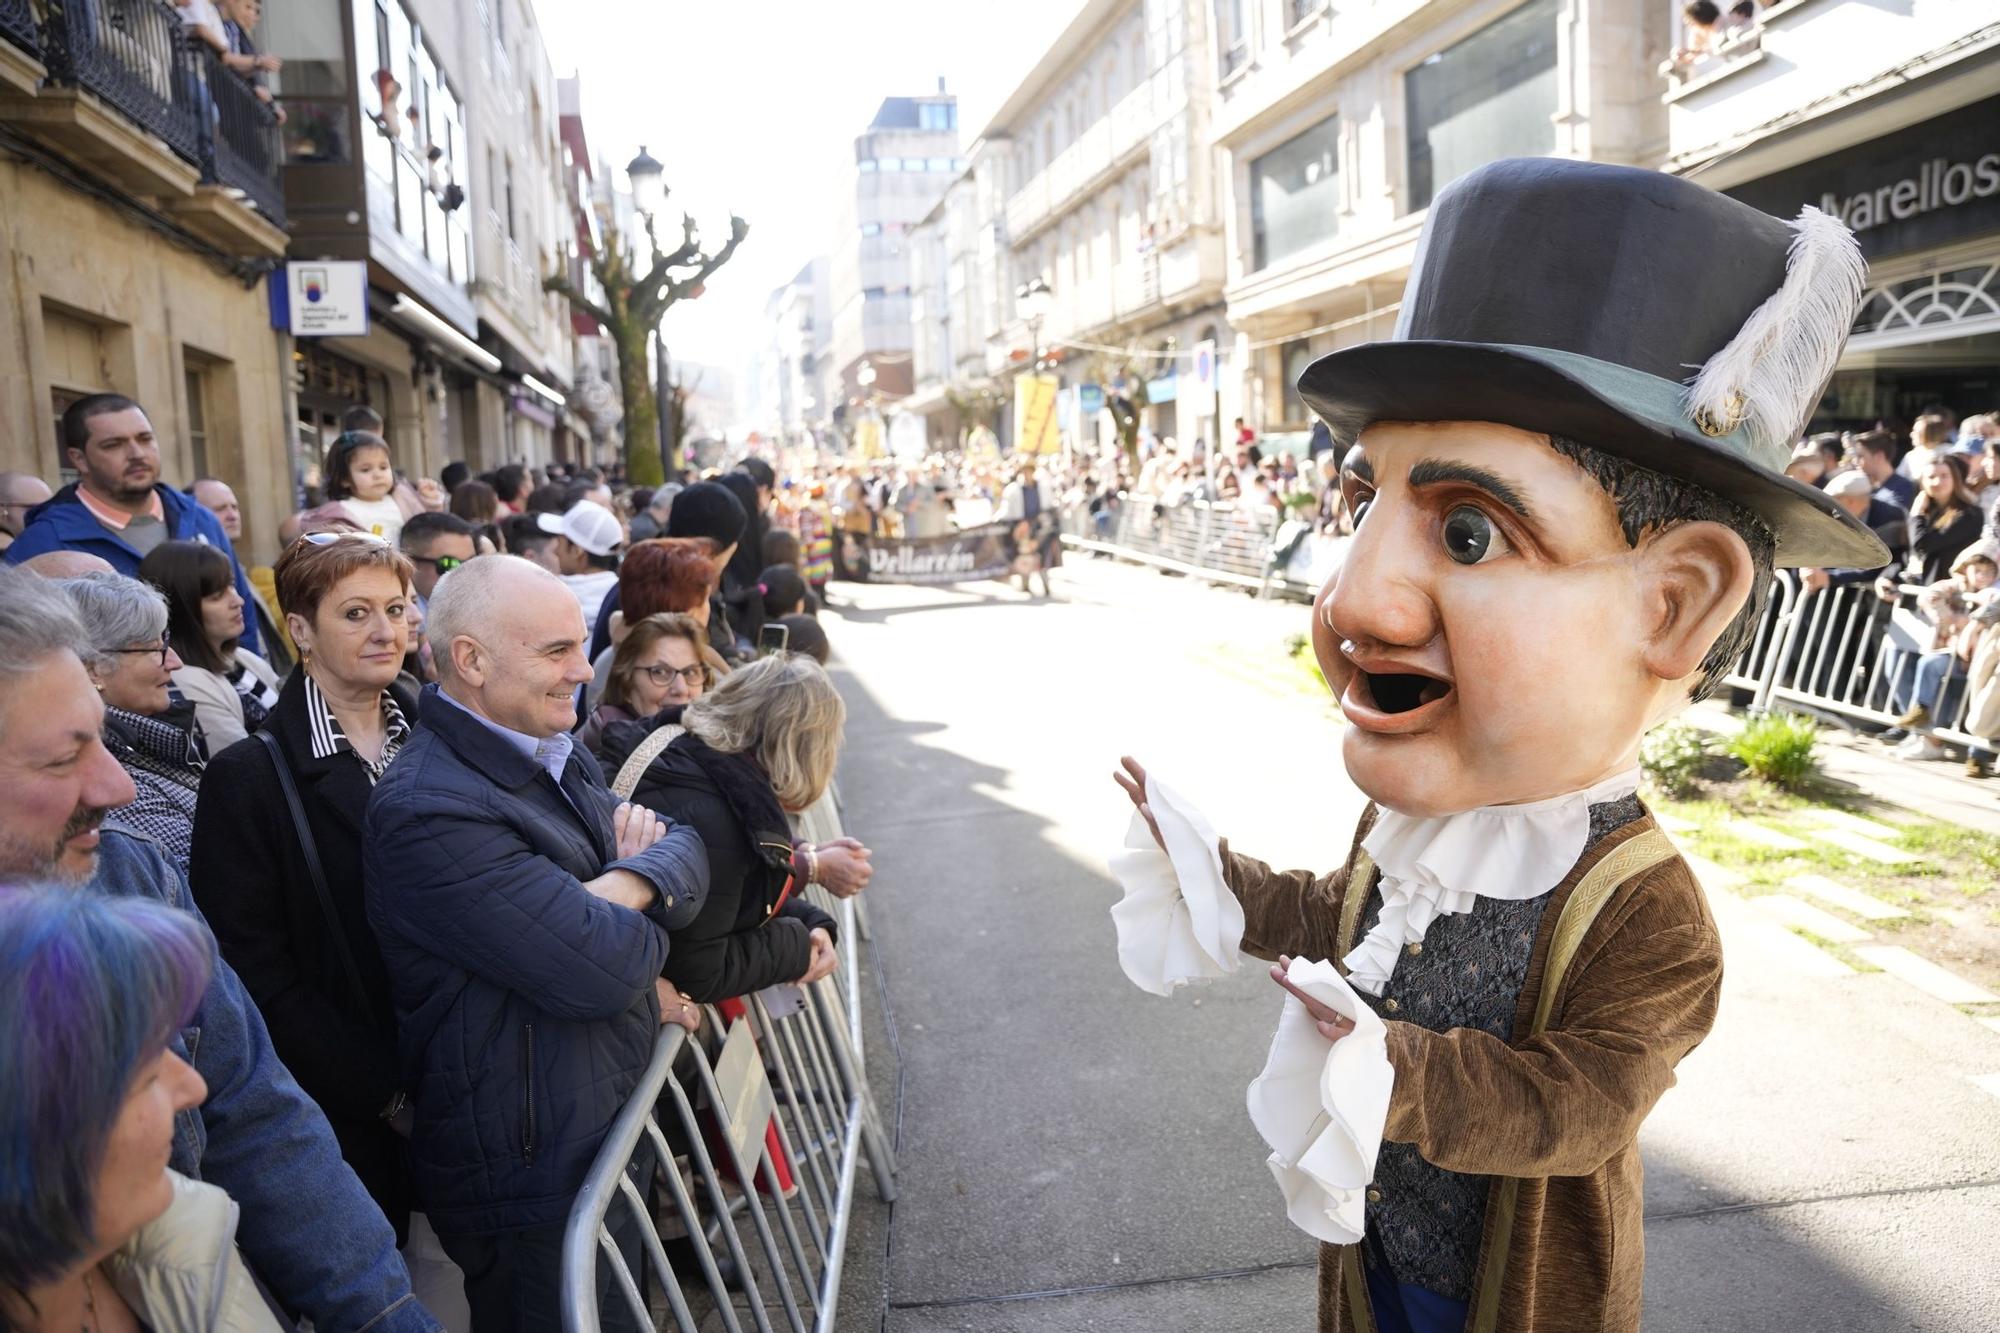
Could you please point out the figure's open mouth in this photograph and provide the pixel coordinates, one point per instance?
(1403, 691)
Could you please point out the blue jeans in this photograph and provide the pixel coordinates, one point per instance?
(1940, 680)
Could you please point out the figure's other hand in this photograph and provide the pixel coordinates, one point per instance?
(635, 828)
(1330, 1023)
(843, 867)
(824, 957)
(1132, 781)
(432, 494)
(676, 1007)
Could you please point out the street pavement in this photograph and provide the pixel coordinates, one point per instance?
(1075, 1154)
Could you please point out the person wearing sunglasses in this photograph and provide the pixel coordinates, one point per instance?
(436, 544)
(150, 732)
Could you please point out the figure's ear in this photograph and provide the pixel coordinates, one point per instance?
(1694, 577)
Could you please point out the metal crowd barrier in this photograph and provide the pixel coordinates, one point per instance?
(1845, 652)
(1221, 541)
(788, 1083)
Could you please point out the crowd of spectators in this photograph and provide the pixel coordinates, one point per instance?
(379, 951)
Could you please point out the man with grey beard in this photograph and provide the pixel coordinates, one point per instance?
(310, 1232)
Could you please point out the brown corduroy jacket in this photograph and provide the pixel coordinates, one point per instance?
(1552, 1115)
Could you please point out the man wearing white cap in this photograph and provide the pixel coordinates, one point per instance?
(588, 540)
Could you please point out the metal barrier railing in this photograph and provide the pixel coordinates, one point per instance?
(787, 1087)
(1221, 541)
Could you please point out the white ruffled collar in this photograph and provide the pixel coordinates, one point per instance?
(1435, 866)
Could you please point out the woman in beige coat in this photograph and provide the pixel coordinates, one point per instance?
(100, 1235)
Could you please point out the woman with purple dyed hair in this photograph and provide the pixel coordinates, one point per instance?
(95, 1232)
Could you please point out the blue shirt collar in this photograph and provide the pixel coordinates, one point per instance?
(548, 753)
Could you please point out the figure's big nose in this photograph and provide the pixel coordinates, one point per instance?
(1379, 594)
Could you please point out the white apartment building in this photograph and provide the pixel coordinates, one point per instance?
(1339, 120)
(789, 395)
(902, 163)
(1887, 115)
(520, 223)
(1095, 177)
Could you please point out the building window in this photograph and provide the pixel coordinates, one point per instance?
(869, 229)
(196, 379)
(937, 115)
(1294, 192)
(865, 165)
(1232, 34)
(1491, 96)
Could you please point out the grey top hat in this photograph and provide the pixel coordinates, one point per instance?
(1633, 311)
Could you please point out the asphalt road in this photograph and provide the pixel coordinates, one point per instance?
(1075, 1154)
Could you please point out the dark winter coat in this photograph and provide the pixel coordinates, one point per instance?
(736, 945)
(525, 1003)
(61, 523)
(249, 876)
(1934, 545)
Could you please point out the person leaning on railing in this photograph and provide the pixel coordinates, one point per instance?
(761, 744)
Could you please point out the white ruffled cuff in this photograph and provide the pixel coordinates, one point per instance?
(1178, 922)
(1321, 1106)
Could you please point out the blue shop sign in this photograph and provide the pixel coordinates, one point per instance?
(1162, 390)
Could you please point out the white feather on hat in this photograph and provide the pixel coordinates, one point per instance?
(1771, 373)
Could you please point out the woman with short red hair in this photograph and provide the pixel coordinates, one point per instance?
(667, 575)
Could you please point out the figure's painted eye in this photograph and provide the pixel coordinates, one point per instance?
(1361, 508)
(1469, 536)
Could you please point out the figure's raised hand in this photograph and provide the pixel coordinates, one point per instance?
(1331, 1024)
(1131, 779)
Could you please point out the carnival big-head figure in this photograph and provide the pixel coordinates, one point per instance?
(1568, 469)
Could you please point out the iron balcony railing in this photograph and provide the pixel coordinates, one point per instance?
(138, 58)
(240, 148)
(133, 55)
(17, 25)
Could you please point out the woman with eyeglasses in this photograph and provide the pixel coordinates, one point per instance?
(663, 662)
(280, 883)
(232, 688)
(152, 736)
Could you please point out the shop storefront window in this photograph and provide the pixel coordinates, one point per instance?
(1294, 193)
(1491, 96)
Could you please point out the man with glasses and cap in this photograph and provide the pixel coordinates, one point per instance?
(1566, 524)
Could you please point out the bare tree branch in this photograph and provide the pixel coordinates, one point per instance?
(680, 288)
(578, 301)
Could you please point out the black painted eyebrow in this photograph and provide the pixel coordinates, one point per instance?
(1433, 472)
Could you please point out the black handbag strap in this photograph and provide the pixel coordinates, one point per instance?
(334, 926)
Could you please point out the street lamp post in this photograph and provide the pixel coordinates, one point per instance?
(1033, 299)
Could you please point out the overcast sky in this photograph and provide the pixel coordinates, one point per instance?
(754, 106)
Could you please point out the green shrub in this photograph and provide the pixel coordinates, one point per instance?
(1300, 648)
(1673, 756)
(1778, 747)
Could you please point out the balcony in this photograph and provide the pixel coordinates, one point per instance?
(21, 68)
(126, 95)
(1082, 166)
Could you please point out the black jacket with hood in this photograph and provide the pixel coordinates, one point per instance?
(736, 944)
